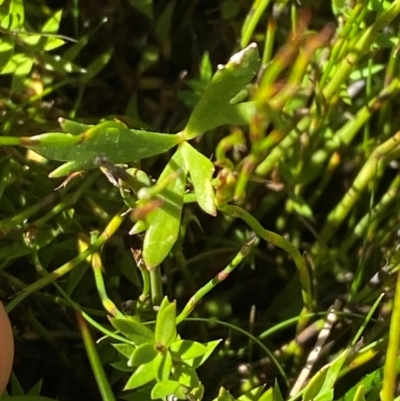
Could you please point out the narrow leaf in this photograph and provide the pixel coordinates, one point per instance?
(97, 65)
(163, 365)
(268, 395)
(143, 354)
(165, 332)
(6, 51)
(201, 170)
(133, 330)
(277, 392)
(73, 127)
(60, 64)
(143, 6)
(143, 374)
(360, 394)
(196, 362)
(111, 140)
(187, 349)
(124, 349)
(23, 66)
(167, 388)
(224, 395)
(164, 222)
(186, 375)
(251, 395)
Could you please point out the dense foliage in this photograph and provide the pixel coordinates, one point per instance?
(198, 200)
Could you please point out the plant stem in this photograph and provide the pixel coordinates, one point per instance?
(112, 226)
(390, 370)
(221, 276)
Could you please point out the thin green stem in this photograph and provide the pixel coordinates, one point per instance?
(281, 242)
(249, 335)
(390, 370)
(156, 286)
(382, 155)
(113, 225)
(95, 361)
(221, 276)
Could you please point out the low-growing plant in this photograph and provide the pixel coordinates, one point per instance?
(293, 117)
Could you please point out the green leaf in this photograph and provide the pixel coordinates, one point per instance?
(138, 395)
(111, 140)
(23, 66)
(315, 384)
(277, 392)
(166, 388)
(124, 349)
(60, 64)
(332, 374)
(36, 389)
(143, 354)
(53, 23)
(73, 127)
(197, 393)
(224, 395)
(135, 331)
(226, 83)
(359, 394)
(6, 51)
(51, 27)
(186, 375)
(187, 349)
(163, 365)
(142, 375)
(165, 332)
(196, 362)
(268, 395)
(96, 66)
(164, 222)
(16, 16)
(231, 114)
(372, 383)
(251, 395)
(143, 6)
(67, 169)
(122, 366)
(53, 43)
(201, 170)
